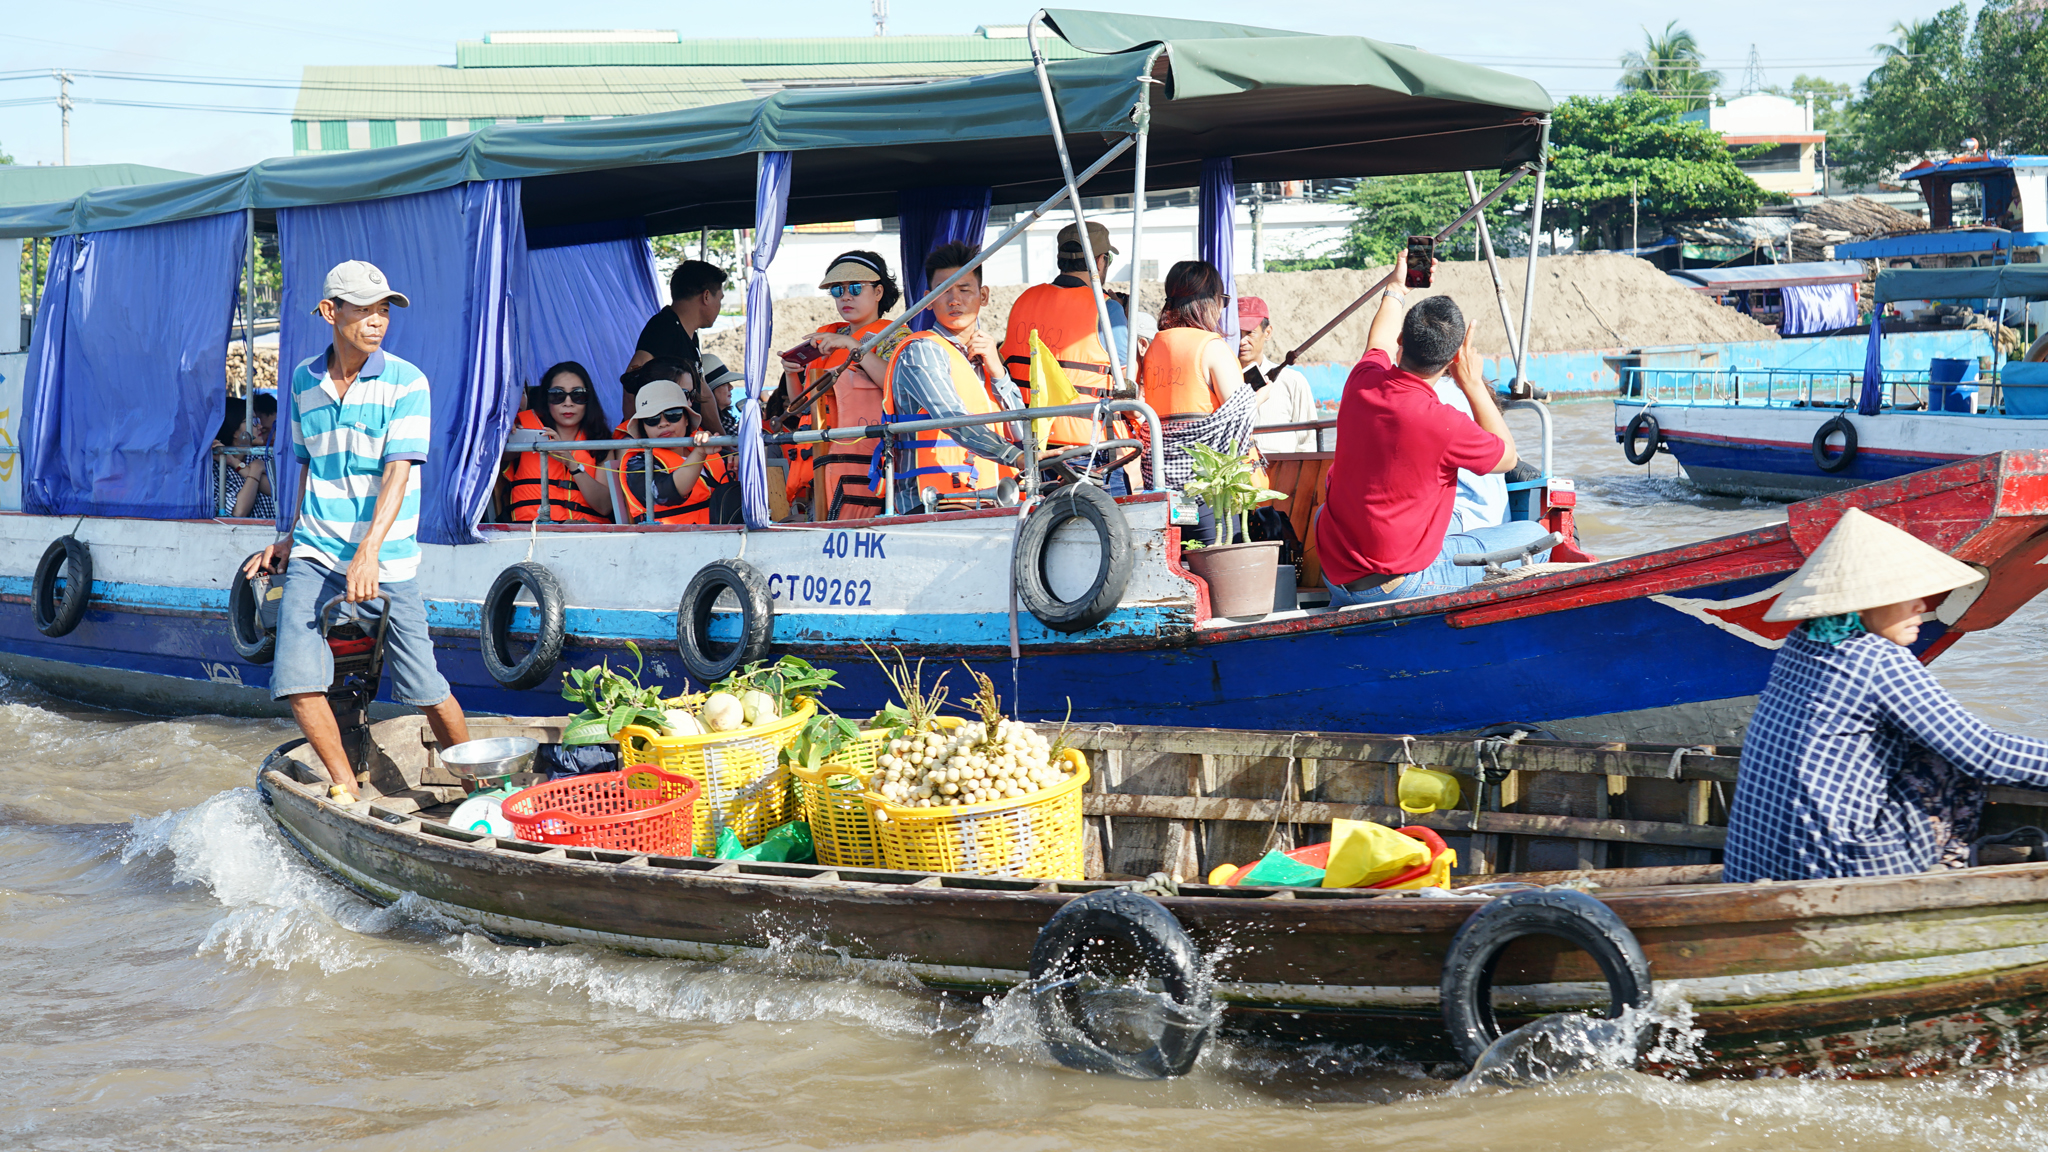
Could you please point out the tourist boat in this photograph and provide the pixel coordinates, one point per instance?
(117, 585)
(1884, 976)
(1788, 434)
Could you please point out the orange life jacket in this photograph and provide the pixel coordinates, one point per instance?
(1171, 375)
(1066, 320)
(938, 461)
(695, 508)
(566, 504)
(830, 412)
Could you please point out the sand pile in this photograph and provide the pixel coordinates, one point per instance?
(1597, 301)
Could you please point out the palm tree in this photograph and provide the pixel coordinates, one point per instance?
(1909, 39)
(1669, 65)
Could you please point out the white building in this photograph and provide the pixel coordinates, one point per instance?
(1785, 125)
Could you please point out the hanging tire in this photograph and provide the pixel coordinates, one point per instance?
(494, 636)
(1133, 924)
(1833, 464)
(1641, 424)
(1112, 573)
(57, 615)
(253, 642)
(1569, 915)
(703, 659)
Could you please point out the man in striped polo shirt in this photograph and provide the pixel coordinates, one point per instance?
(360, 424)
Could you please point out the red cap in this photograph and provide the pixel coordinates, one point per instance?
(1250, 309)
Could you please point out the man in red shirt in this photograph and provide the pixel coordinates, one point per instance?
(1381, 531)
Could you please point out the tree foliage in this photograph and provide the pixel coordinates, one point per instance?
(1600, 148)
(1392, 208)
(1669, 66)
(1946, 79)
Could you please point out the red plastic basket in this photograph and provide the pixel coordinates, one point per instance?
(642, 810)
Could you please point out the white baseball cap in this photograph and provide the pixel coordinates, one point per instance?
(359, 282)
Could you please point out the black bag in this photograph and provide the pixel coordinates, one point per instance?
(1270, 523)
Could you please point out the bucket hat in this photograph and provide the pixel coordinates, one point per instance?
(1867, 563)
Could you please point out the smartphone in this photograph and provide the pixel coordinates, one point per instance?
(1421, 257)
(804, 353)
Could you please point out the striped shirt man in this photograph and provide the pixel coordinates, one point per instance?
(344, 444)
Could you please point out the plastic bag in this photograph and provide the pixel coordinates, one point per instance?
(1363, 854)
(788, 844)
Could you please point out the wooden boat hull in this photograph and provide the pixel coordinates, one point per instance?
(1855, 977)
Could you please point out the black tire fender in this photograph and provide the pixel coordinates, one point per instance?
(1112, 572)
(1569, 915)
(1833, 464)
(693, 619)
(252, 641)
(1639, 425)
(1139, 924)
(494, 633)
(57, 615)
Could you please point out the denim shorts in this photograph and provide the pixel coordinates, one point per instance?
(304, 663)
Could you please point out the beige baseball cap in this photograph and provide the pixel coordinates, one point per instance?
(359, 282)
(1098, 239)
(1866, 563)
(658, 396)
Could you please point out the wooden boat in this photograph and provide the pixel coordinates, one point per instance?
(1881, 976)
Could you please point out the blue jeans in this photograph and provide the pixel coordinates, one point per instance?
(1443, 576)
(305, 664)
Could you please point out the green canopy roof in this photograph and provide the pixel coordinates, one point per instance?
(41, 184)
(1999, 282)
(1285, 105)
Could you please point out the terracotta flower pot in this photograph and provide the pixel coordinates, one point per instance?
(1240, 576)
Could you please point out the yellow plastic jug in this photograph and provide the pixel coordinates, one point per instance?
(1425, 790)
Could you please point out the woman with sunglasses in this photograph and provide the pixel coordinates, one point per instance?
(1190, 377)
(564, 408)
(862, 289)
(683, 484)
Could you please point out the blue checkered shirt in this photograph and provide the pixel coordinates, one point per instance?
(1816, 796)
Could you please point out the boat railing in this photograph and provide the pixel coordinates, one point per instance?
(1772, 387)
(1028, 470)
(222, 461)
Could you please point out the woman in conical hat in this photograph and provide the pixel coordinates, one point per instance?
(1857, 761)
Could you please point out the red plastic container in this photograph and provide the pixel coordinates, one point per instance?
(642, 809)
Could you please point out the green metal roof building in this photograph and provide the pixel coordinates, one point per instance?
(551, 77)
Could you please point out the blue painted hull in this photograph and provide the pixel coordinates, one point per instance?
(1404, 674)
(1732, 465)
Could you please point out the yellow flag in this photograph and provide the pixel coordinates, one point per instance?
(1049, 386)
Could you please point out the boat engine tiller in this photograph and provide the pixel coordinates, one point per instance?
(358, 646)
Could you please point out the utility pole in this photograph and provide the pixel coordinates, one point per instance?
(881, 17)
(1258, 226)
(1635, 225)
(64, 106)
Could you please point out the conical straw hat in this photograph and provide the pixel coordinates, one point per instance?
(1867, 563)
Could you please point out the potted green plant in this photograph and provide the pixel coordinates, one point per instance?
(1240, 576)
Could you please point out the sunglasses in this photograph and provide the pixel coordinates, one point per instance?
(672, 416)
(579, 396)
(854, 289)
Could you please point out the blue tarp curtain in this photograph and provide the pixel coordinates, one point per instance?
(1872, 398)
(930, 217)
(1817, 308)
(459, 255)
(587, 303)
(120, 422)
(771, 208)
(1216, 235)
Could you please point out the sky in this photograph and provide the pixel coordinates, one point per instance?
(229, 71)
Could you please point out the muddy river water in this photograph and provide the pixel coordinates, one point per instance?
(176, 977)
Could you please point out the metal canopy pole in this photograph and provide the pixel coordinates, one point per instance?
(1144, 119)
(1521, 385)
(1059, 140)
(1383, 281)
(248, 343)
(1500, 288)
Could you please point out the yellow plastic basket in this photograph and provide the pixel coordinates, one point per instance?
(746, 788)
(1036, 836)
(842, 831)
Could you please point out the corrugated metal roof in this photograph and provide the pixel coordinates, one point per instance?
(432, 92)
(795, 51)
(41, 184)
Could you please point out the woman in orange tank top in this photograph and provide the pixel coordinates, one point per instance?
(1190, 377)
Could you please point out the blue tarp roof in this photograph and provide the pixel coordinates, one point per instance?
(1999, 164)
(2001, 282)
(1285, 105)
(1771, 275)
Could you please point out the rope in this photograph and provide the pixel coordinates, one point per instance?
(1289, 797)
(1678, 758)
